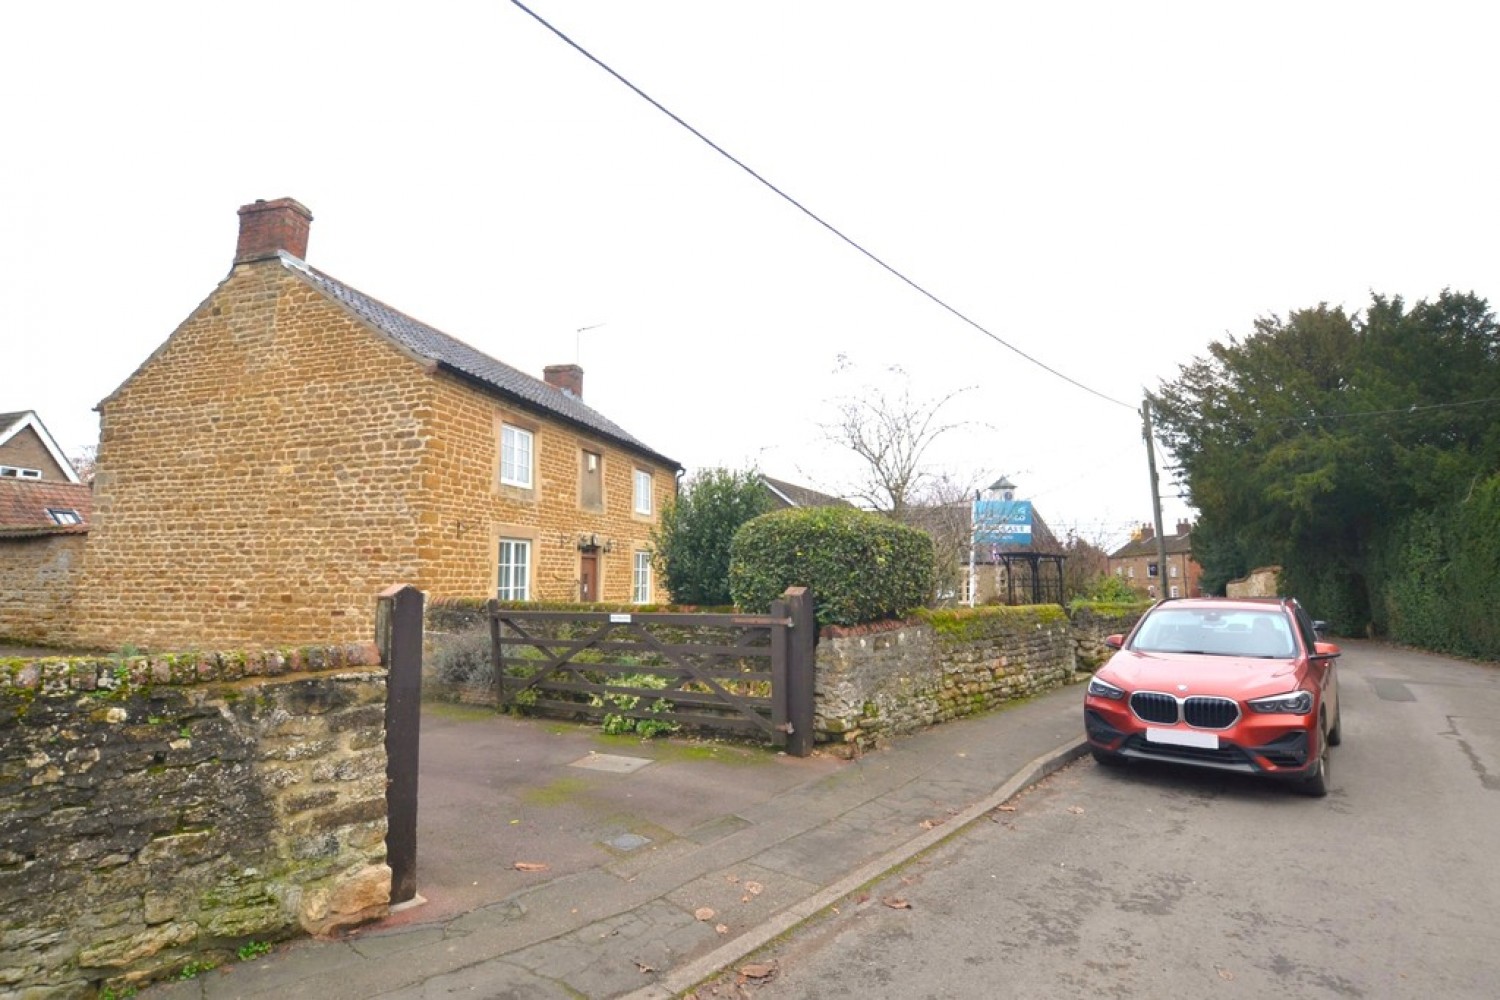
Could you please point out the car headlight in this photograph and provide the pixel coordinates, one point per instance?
(1104, 689)
(1291, 703)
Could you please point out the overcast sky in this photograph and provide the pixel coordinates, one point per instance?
(1106, 187)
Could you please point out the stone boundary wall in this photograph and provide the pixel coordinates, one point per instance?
(897, 677)
(157, 811)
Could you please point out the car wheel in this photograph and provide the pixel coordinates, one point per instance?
(1106, 758)
(1336, 734)
(1316, 782)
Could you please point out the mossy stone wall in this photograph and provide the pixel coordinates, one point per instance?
(157, 811)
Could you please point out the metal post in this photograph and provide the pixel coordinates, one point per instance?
(399, 634)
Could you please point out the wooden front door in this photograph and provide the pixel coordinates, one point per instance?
(588, 575)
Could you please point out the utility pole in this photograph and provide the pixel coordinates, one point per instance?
(1161, 541)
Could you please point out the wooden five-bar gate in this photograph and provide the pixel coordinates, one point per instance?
(746, 675)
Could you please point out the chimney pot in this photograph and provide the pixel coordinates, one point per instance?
(1183, 527)
(1148, 532)
(568, 378)
(267, 227)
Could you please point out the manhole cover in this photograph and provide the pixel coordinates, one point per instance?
(611, 762)
(628, 841)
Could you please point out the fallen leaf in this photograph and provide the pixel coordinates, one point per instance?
(1006, 809)
(1225, 974)
(732, 879)
(896, 903)
(531, 866)
(703, 913)
(928, 824)
(722, 928)
(754, 888)
(645, 969)
(746, 898)
(758, 970)
(1076, 810)
(863, 897)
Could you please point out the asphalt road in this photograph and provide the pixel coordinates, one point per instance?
(1161, 882)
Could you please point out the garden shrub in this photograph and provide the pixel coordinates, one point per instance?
(860, 567)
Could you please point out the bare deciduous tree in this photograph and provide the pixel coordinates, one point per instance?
(891, 431)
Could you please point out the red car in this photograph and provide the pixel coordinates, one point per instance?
(1233, 684)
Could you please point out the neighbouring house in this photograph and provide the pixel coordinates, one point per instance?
(786, 494)
(296, 446)
(44, 519)
(1136, 562)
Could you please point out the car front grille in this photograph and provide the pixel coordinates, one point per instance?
(1227, 757)
(1199, 711)
(1210, 713)
(1152, 706)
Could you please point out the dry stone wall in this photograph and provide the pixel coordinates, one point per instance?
(156, 811)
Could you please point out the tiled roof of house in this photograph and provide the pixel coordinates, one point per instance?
(1175, 544)
(473, 365)
(801, 496)
(24, 504)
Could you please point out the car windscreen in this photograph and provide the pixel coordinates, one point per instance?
(1216, 633)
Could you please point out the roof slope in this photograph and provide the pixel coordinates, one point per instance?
(475, 366)
(801, 496)
(1175, 545)
(12, 424)
(24, 504)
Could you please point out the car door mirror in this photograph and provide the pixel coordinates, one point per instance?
(1327, 649)
(1114, 641)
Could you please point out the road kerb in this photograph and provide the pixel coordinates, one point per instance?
(680, 980)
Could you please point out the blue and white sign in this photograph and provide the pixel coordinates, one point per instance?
(1002, 522)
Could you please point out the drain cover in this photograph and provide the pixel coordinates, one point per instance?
(628, 841)
(613, 763)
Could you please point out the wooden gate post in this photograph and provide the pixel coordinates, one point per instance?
(398, 632)
(801, 670)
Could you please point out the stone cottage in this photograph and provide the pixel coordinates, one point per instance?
(296, 446)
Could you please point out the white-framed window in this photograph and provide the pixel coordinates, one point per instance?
(515, 456)
(16, 472)
(1172, 571)
(63, 515)
(1151, 570)
(640, 591)
(642, 491)
(1174, 591)
(514, 582)
(1130, 572)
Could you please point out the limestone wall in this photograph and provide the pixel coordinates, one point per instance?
(156, 811)
(898, 677)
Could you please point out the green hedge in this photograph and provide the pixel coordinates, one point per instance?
(861, 567)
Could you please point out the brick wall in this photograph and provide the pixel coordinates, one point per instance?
(156, 811)
(276, 464)
(37, 581)
(27, 451)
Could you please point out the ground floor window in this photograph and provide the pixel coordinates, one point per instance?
(515, 570)
(641, 590)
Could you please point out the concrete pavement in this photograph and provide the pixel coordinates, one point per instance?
(556, 862)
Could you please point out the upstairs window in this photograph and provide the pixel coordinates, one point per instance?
(15, 472)
(62, 515)
(591, 481)
(515, 456)
(642, 492)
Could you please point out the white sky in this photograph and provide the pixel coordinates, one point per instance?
(1109, 187)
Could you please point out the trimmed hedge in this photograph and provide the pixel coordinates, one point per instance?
(861, 567)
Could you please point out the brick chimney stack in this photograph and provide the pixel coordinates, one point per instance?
(1183, 527)
(1148, 532)
(568, 378)
(269, 226)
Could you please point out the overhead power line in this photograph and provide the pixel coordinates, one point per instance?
(815, 217)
